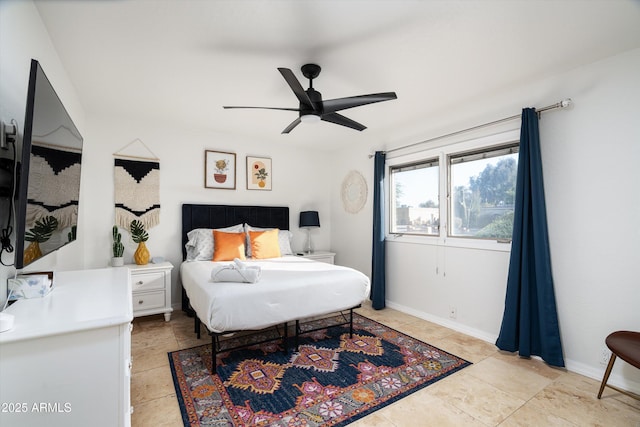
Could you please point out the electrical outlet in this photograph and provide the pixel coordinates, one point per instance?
(605, 355)
(7, 133)
(453, 312)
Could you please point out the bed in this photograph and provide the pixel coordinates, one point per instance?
(290, 288)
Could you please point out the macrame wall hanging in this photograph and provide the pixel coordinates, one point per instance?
(54, 174)
(137, 186)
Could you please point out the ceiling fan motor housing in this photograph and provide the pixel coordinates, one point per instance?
(316, 99)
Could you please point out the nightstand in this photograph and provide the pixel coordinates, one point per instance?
(151, 286)
(322, 256)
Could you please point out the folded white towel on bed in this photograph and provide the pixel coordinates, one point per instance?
(236, 272)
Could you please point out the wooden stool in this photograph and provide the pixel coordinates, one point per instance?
(626, 346)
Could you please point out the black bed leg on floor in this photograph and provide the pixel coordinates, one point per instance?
(214, 354)
(297, 342)
(196, 326)
(351, 323)
(285, 339)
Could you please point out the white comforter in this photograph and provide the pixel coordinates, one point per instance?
(290, 288)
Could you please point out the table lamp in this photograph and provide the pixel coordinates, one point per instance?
(309, 219)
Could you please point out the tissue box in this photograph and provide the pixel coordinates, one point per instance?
(30, 286)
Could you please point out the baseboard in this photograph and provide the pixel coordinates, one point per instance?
(571, 365)
(597, 374)
(448, 323)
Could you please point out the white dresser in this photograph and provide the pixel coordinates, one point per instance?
(66, 361)
(151, 286)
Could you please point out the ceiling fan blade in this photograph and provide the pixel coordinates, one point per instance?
(332, 105)
(293, 124)
(339, 119)
(296, 87)
(262, 108)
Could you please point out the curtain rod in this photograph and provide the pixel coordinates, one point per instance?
(562, 104)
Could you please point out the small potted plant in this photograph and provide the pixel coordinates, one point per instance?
(140, 236)
(118, 248)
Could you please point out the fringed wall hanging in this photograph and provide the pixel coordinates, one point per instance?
(137, 187)
(53, 168)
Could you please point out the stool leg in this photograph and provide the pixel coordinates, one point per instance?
(606, 374)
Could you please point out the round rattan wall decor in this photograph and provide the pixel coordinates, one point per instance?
(354, 192)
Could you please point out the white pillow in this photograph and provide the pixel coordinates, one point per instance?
(284, 239)
(200, 244)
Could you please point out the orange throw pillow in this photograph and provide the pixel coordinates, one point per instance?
(227, 246)
(264, 244)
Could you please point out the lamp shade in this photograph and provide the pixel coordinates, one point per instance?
(309, 219)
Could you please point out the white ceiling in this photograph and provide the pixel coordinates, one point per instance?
(180, 61)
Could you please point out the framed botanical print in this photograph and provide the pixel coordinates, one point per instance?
(219, 170)
(259, 173)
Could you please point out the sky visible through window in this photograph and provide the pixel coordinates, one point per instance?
(420, 185)
(464, 171)
(417, 186)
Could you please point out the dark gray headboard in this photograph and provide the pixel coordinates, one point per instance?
(218, 216)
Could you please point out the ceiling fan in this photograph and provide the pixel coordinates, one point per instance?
(313, 109)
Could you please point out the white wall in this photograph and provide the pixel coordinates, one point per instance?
(23, 37)
(181, 154)
(351, 235)
(590, 156)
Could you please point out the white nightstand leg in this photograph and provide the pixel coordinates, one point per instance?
(167, 317)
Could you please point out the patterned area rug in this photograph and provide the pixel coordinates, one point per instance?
(332, 380)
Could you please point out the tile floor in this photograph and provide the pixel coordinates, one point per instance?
(499, 389)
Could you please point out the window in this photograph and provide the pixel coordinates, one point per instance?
(482, 187)
(461, 192)
(415, 207)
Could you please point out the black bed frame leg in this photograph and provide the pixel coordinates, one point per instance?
(196, 326)
(297, 340)
(351, 323)
(285, 339)
(214, 355)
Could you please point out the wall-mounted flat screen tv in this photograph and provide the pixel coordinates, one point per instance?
(49, 189)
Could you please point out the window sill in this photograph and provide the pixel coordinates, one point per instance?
(452, 242)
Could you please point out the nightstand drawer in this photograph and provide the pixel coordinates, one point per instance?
(147, 281)
(147, 300)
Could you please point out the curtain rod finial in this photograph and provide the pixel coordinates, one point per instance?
(568, 102)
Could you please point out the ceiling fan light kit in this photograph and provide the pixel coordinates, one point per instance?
(310, 118)
(313, 109)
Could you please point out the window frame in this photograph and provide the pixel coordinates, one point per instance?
(433, 161)
(444, 147)
(512, 147)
